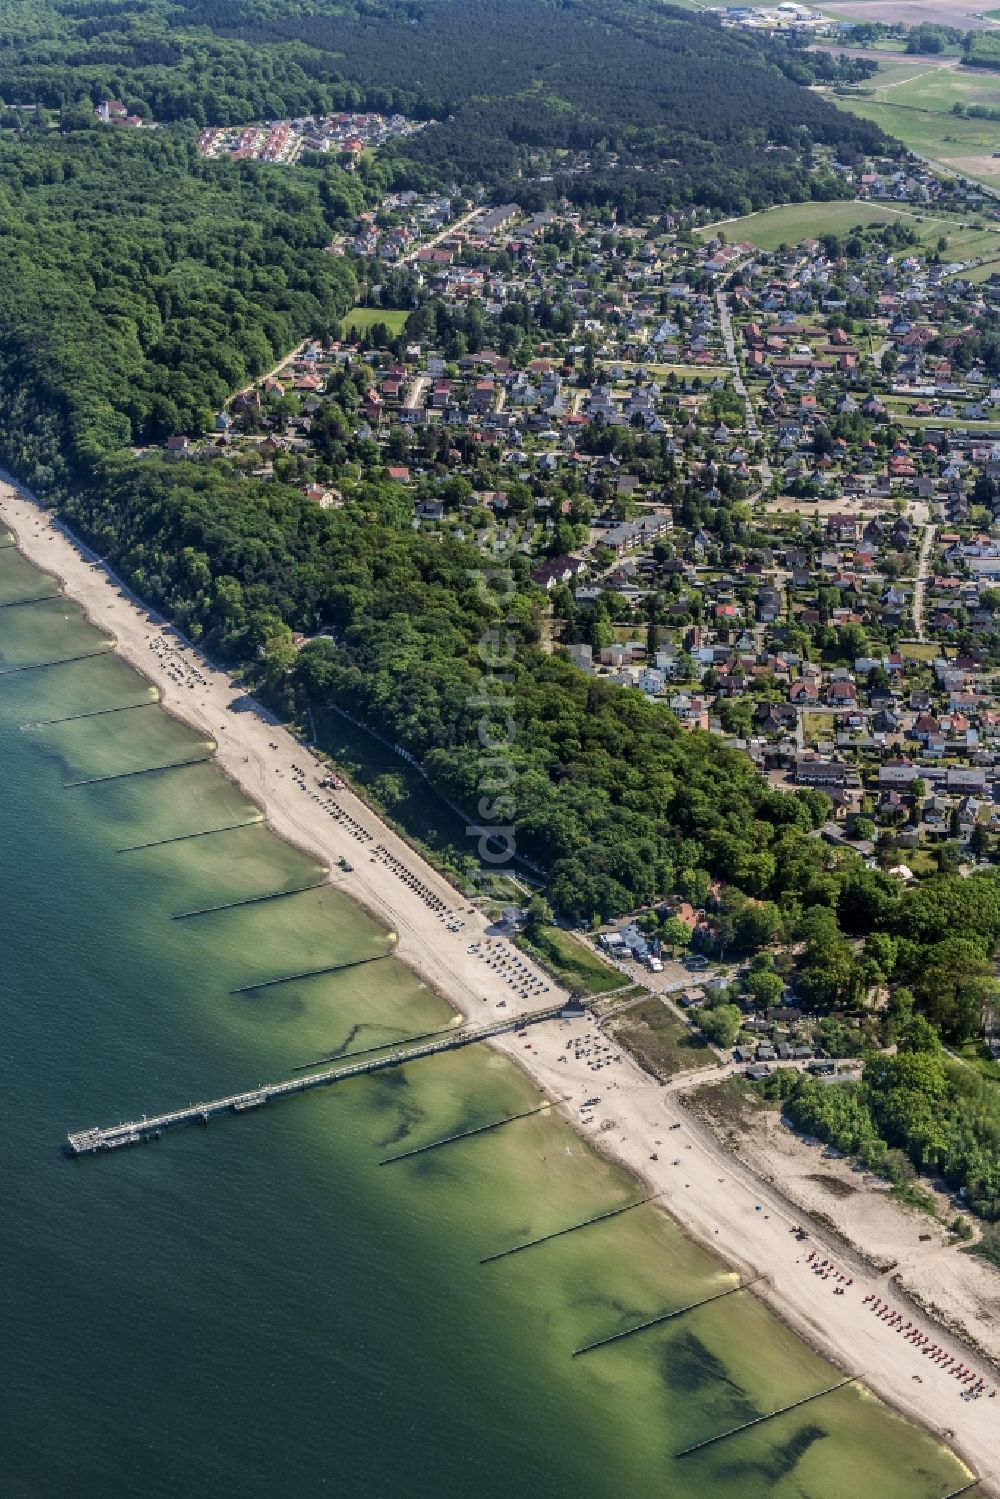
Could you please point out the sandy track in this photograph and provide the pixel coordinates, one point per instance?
(712, 1196)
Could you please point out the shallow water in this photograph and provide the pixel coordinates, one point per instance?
(259, 1307)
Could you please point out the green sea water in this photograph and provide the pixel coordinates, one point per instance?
(258, 1307)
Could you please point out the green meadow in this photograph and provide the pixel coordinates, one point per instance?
(790, 223)
(360, 319)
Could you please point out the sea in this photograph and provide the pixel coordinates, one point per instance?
(259, 1306)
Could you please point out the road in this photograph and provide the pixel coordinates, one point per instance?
(729, 344)
(410, 255)
(417, 393)
(268, 374)
(880, 55)
(920, 585)
(949, 171)
(879, 353)
(445, 233)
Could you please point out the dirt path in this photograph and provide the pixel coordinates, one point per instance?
(912, 77)
(920, 585)
(268, 374)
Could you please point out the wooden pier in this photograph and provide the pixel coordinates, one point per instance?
(150, 1127)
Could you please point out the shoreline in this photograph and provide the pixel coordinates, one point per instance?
(746, 1224)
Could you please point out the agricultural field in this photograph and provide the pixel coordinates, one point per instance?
(957, 13)
(914, 103)
(360, 319)
(895, 70)
(963, 145)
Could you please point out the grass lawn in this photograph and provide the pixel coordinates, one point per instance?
(791, 222)
(976, 1055)
(938, 89)
(988, 1247)
(360, 319)
(818, 726)
(661, 371)
(920, 860)
(690, 371)
(919, 650)
(661, 1043)
(575, 963)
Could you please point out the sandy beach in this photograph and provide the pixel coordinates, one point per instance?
(714, 1195)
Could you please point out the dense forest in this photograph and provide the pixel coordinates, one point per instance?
(142, 285)
(611, 798)
(146, 284)
(915, 1111)
(688, 112)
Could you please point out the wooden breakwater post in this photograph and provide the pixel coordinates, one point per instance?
(249, 900)
(658, 1321)
(136, 848)
(965, 1489)
(311, 973)
(13, 671)
(571, 1228)
(47, 723)
(38, 598)
(131, 775)
(367, 1051)
(768, 1416)
(466, 1134)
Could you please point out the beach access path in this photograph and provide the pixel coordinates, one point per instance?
(713, 1197)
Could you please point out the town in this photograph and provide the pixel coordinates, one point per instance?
(758, 486)
(281, 142)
